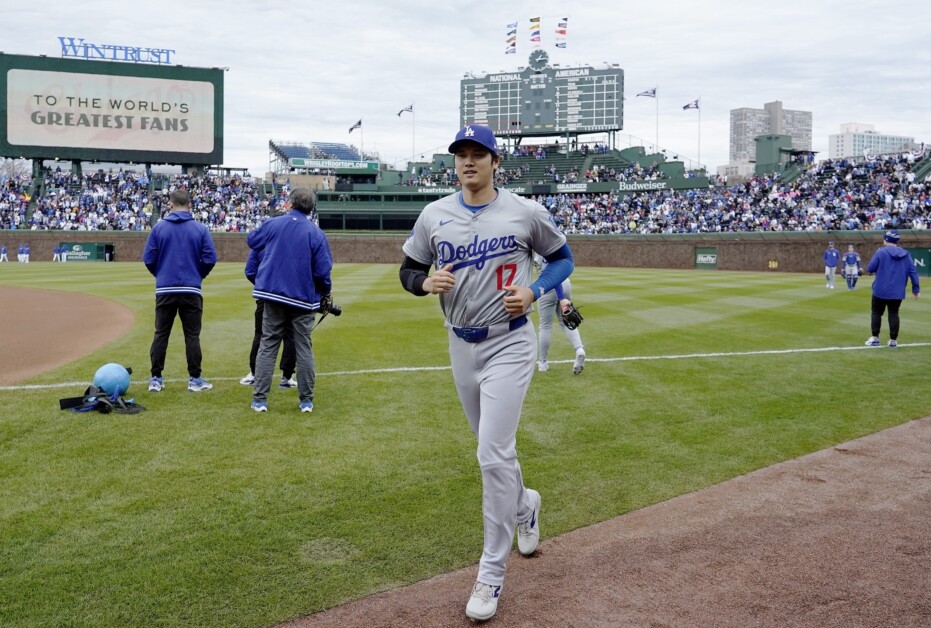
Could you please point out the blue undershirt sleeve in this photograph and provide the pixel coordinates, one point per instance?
(559, 267)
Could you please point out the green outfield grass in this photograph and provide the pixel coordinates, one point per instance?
(200, 512)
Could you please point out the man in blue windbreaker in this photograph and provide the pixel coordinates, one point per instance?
(831, 257)
(293, 279)
(180, 253)
(893, 267)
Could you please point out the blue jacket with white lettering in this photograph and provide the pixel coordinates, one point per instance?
(180, 253)
(294, 261)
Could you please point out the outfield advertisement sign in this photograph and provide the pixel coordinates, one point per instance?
(706, 258)
(88, 251)
(76, 109)
(332, 164)
(922, 259)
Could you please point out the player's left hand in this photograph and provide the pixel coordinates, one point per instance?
(518, 299)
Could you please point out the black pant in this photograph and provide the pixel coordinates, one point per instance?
(190, 309)
(288, 357)
(879, 306)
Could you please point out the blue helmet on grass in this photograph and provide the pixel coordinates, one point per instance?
(112, 378)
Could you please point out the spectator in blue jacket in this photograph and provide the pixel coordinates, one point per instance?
(288, 359)
(293, 279)
(893, 267)
(180, 254)
(831, 257)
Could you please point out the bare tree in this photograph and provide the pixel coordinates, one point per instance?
(15, 168)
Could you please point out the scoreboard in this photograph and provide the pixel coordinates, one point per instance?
(544, 100)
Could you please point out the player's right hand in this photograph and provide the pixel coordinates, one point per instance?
(440, 282)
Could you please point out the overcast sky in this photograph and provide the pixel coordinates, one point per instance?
(305, 72)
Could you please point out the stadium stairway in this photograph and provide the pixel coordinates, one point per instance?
(922, 168)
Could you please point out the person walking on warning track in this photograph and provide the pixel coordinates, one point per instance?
(481, 242)
(180, 254)
(893, 267)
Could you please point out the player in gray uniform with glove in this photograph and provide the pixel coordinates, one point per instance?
(480, 243)
(560, 297)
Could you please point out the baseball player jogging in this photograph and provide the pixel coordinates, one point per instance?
(561, 298)
(481, 242)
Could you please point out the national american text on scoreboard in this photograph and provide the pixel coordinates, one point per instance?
(548, 101)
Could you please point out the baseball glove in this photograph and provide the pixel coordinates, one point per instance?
(571, 316)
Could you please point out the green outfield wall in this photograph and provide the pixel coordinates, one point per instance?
(775, 252)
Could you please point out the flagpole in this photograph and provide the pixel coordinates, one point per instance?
(361, 141)
(699, 139)
(656, 92)
(413, 132)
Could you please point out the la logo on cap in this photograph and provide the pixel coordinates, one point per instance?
(469, 132)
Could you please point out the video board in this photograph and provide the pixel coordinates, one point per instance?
(109, 111)
(545, 101)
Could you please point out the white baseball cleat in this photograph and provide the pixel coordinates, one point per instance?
(543, 366)
(579, 362)
(528, 533)
(872, 341)
(248, 380)
(484, 601)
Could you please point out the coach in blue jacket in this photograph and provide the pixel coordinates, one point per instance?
(180, 253)
(894, 268)
(293, 279)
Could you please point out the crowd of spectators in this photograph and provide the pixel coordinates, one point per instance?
(872, 193)
(876, 193)
(14, 201)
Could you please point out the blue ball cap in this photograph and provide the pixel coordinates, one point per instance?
(475, 133)
(892, 236)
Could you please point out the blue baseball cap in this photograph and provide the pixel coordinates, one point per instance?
(892, 236)
(475, 133)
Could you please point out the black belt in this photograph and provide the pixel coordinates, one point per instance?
(477, 334)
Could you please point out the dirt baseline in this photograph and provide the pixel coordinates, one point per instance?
(43, 329)
(841, 537)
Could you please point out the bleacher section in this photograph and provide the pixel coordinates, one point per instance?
(333, 150)
(292, 151)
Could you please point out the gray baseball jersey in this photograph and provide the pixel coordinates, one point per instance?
(489, 249)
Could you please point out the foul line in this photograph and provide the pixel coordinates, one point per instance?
(411, 369)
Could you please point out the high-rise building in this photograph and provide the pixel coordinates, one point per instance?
(856, 140)
(747, 124)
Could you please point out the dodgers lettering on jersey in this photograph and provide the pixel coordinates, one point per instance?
(489, 249)
(475, 253)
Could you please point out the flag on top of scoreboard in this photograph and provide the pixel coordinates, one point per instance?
(692, 105)
(535, 30)
(409, 109)
(650, 93)
(511, 39)
(357, 125)
(562, 32)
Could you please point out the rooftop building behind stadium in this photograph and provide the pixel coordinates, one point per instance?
(363, 193)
